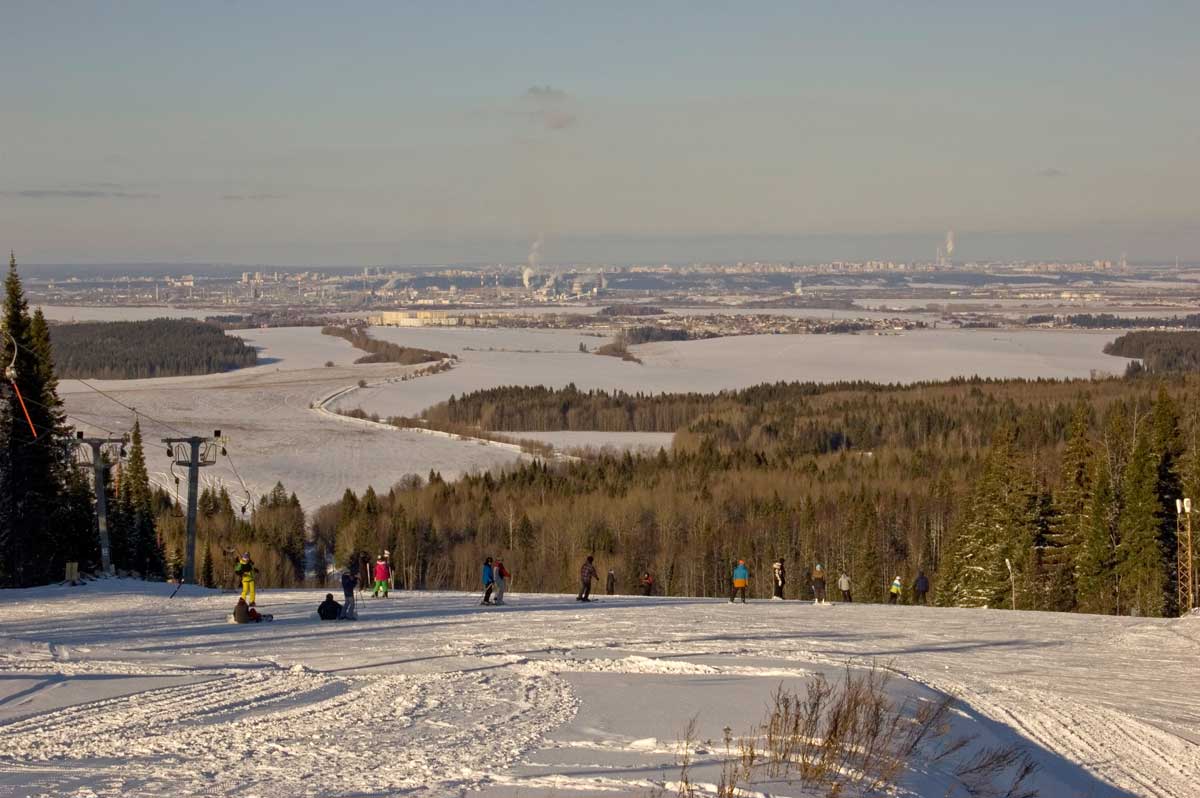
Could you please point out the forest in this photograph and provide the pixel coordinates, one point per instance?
(1160, 352)
(1108, 321)
(1071, 483)
(126, 350)
(383, 351)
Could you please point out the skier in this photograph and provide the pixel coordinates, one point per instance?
(647, 584)
(244, 568)
(920, 587)
(818, 584)
(329, 610)
(349, 583)
(780, 578)
(610, 583)
(382, 574)
(741, 578)
(489, 581)
(500, 575)
(587, 574)
(844, 586)
(895, 590)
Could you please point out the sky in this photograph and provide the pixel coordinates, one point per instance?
(371, 133)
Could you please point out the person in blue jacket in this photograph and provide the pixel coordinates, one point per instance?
(741, 578)
(489, 581)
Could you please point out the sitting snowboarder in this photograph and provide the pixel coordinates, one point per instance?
(329, 610)
(244, 613)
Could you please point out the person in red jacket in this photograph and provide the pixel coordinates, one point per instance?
(383, 573)
(500, 574)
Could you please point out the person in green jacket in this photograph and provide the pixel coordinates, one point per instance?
(244, 568)
(894, 590)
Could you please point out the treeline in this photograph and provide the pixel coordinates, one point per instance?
(1108, 321)
(1072, 483)
(649, 334)
(1160, 352)
(273, 533)
(124, 350)
(631, 310)
(383, 351)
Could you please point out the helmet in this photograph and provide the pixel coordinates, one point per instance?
(245, 557)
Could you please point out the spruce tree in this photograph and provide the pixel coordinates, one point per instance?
(1000, 523)
(1141, 566)
(1072, 516)
(1168, 452)
(36, 459)
(1095, 564)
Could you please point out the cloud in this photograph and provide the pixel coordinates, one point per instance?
(251, 197)
(546, 94)
(1052, 172)
(77, 193)
(551, 113)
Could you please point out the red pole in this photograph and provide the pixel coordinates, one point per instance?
(23, 407)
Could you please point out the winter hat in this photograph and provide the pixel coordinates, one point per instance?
(245, 556)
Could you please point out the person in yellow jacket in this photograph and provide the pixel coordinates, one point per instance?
(244, 568)
(894, 590)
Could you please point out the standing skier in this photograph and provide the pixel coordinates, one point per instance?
(382, 574)
(244, 568)
(489, 581)
(920, 587)
(895, 590)
(844, 586)
(587, 574)
(818, 584)
(610, 583)
(741, 578)
(780, 578)
(349, 583)
(500, 576)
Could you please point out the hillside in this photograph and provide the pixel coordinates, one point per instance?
(113, 689)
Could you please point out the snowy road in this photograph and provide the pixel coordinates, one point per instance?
(114, 689)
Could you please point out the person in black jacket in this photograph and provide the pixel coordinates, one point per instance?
(349, 582)
(920, 588)
(329, 610)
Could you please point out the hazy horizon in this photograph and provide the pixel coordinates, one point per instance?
(301, 134)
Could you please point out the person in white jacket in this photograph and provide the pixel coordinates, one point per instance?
(844, 586)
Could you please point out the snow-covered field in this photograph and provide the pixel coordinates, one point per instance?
(114, 689)
(107, 313)
(274, 434)
(541, 357)
(622, 441)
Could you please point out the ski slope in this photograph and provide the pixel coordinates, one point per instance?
(115, 689)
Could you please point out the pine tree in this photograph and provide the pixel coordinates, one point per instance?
(207, 578)
(35, 459)
(1095, 564)
(1167, 450)
(1072, 517)
(1000, 522)
(1141, 565)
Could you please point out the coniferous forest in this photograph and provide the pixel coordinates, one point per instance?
(1072, 484)
(125, 350)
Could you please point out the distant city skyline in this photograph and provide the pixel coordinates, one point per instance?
(300, 134)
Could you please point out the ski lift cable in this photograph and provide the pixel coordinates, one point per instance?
(91, 387)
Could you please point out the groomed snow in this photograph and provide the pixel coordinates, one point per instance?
(114, 689)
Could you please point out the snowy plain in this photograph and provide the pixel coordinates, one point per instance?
(274, 434)
(114, 689)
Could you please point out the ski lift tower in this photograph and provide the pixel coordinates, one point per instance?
(1185, 569)
(99, 466)
(195, 452)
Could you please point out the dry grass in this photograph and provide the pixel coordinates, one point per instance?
(849, 739)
